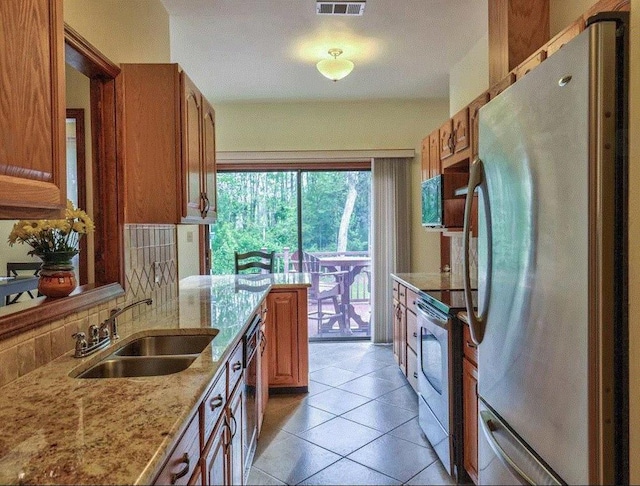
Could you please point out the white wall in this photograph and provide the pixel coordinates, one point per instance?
(341, 126)
(123, 30)
(563, 12)
(188, 250)
(470, 76)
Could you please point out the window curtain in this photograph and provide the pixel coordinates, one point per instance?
(391, 238)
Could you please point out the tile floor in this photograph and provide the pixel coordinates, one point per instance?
(357, 425)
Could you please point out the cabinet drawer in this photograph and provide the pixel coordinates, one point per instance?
(530, 63)
(412, 298)
(501, 85)
(412, 331)
(412, 369)
(396, 290)
(213, 407)
(565, 36)
(234, 369)
(402, 295)
(470, 349)
(184, 459)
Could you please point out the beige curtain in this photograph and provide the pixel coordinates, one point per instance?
(391, 238)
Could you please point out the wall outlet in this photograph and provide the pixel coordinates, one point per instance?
(189, 236)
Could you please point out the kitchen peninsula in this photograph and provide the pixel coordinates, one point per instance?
(58, 429)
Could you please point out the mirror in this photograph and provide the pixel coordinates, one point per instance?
(91, 83)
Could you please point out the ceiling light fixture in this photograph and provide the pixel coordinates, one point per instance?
(335, 68)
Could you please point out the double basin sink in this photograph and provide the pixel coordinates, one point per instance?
(154, 355)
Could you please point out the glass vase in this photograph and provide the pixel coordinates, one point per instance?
(57, 278)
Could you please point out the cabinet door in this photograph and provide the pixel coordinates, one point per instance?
(397, 343)
(193, 203)
(236, 444)
(32, 112)
(446, 140)
(283, 345)
(530, 63)
(209, 160)
(461, 130)
(434, 153)
(474, 118)
(470, 417)
(263, 370)
(501, 85)
(425, 162)
(216, 468)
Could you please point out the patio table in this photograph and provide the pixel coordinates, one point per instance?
(16, 285)
(353, 265)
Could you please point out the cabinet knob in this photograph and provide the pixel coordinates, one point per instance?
(415, 375)
(236, 366)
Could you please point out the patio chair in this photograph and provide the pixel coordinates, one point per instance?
(325, 294)
(251, 260)
(14, 269)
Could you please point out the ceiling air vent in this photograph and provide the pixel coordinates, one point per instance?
(338, 7)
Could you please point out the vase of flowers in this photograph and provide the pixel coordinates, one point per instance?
(55, 242)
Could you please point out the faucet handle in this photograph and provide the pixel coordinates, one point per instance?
(81, 343)
(104, 331)
(93, 333)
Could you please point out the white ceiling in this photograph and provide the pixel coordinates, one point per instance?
(266, 50)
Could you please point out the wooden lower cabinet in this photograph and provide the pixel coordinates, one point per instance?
(215, 466)
(470, 414)
(263, 371)
(399, 336)
(184, 459)
(235, 451)
(288, 346)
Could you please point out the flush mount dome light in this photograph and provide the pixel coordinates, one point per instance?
(335, 68)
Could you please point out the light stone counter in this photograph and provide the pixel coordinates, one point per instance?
(430, 281)
(56, 429)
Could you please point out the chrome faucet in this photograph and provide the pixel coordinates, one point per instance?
(111, 322)
(106, 333)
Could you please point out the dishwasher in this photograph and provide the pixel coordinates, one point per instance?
(252, 385)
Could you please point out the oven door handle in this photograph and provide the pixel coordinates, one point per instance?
(429, 316)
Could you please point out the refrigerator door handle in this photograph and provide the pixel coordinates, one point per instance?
(476, 181)
(496, 433)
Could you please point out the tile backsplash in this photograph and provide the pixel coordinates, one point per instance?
(151, 270)
(457, 256)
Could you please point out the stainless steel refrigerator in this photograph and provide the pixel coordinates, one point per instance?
(551, 320)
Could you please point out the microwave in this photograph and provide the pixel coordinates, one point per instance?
(441, 207)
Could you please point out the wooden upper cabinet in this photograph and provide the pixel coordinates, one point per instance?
(425, 162)
(167, 146)
(474, 115)
(434, 153)
(500, 86)
(564, 36)
(191, 156)
(32, 112)
(446, 140)
(517, 28)
(209, 158)
(461, 130)
(530, 63)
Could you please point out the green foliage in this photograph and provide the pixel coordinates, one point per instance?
(259, 210)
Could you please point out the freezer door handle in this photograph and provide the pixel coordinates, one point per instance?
(476, 181)
(501, 439)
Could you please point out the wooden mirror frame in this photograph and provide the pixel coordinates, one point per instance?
(109, 239)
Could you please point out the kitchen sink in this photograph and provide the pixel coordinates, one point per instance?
(159, 354)
(122, 367)
(165, 345)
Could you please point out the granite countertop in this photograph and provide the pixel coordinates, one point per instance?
(57, 429)
(431, 281)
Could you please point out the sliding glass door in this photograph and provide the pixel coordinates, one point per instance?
(317, 222)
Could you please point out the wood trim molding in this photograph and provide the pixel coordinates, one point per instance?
(43, 310)
(311, 156)
(84, 57)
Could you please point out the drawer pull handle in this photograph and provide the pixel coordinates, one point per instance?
(415, 375)
(415, 334)
(183, 472)
(236, 366)
(216, 402)
(472, 345)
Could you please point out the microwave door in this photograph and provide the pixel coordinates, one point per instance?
(432, 202)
